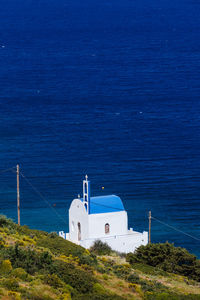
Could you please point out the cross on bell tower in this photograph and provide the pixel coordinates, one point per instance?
(86, 194)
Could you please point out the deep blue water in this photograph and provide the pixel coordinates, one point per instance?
(108, 88)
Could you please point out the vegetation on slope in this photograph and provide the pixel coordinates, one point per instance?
(37, 265)
(168, 258)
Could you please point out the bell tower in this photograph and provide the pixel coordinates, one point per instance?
(86, 194)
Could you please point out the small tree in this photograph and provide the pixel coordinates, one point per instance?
(100, 248)
(5, 266)
(168, 258)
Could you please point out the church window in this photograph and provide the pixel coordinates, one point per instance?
(107, 228)
(86, 206)
(79, 231)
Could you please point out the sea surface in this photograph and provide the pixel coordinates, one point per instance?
(106, 88)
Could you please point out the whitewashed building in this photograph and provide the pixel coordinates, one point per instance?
(101, 218)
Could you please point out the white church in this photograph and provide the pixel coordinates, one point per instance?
(101, 218)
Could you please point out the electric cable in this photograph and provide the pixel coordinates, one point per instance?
(176, 229)
(42, 197)
(6, 170)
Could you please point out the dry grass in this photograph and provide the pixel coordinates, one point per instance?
(174, 282)
(118, 286)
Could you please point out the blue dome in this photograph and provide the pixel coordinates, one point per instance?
(105, 204)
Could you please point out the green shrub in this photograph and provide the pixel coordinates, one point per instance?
(100, 248)
(121, 271)
(5, 266)
(53, 235)
(29, 260)
(133, 278)
(105, 277)
(98, 288)
(101, 269)
(14, 295)
(39, 292)
(53, 280)
(11, 284)
(2, 242)
(149, 269)
(87, 259)
(20, 273)
(168, 258)
(79, 279)
(8, 224)
(58, 245)
(147, 286)
(68, 289)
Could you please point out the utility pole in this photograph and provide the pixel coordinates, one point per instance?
(18, 197)
(149, 227)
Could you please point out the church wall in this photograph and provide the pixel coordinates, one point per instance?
(117, 224)
(78, 214)
(125, 244)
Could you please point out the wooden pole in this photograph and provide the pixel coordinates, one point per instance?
(18, 196)
(149, 227)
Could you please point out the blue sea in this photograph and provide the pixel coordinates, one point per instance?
(106, 88)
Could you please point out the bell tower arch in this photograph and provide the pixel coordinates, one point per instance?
(86, 194)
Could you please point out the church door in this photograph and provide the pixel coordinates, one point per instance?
(79, 231)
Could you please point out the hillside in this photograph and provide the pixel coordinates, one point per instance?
(39, 265)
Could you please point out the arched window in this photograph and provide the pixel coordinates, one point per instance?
(107, 228)
(79, 231)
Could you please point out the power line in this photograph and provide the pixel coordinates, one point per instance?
(42, 197)
(176, 229)
(6, 170)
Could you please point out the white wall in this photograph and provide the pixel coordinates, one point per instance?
(126, 243)
(77, 213)
(93, 226)
(117, 222)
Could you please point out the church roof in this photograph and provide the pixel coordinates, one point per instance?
(105, 204)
